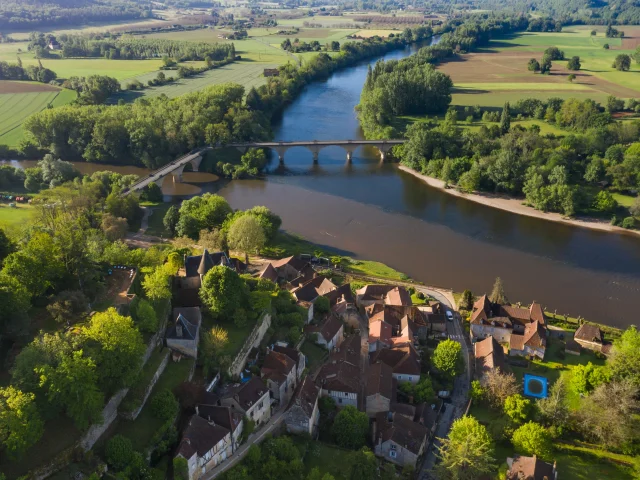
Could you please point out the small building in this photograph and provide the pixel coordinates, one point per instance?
(251, 399)
(427, 416)
(197, 266)
(204, 445)
(293, 269)
(339, 378)
(224, 417)
(271, 72)
(296, 355)
(590, 337)
(330, 334)
(382, 294)
(530, 468)
(404, 361)
(343, 304)
(183, 335)
(381, 388)
(533, 343)
(269, 273)
(313, 289)
(405, 320)
(489, 355)
(304, 415)
(53, 45)
(379, 335)
(399, 440)
(279, 372)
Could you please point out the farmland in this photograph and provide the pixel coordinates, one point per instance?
(18, 100)
(499, 73)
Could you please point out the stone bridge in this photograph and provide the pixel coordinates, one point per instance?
(176, 168)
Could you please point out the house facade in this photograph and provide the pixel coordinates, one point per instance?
(590, 337)
(303, 416)
(251, 399)
(380, 389)
(399, 440)
(330, 333)
(489, 355)
(279, 373)
(340, 378)
(404, 361)
(343, 305)
(183, 335)
(382, 294)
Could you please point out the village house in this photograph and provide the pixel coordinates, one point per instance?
(251, 399)
(304, 415)
(530, 468)
(184, 333)
(223, 417)
(406, 321)
(427, 416)
(379, 335)
(197, 266)
(591, 337)
(313, 288)
(269, 273)
(382, 294)
(527, 325)
(399, 440)
(404, 361)
(329, 334)
(204, 445)
(339, 378)
(279, 372)
(343, 304)
(296, 355)
(293, 270)
(489, 355)
(381, 389)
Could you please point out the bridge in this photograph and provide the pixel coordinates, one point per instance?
(194, 158)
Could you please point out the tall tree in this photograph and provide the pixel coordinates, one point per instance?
(505, 118)
(533, 439)
(447, 358)
(20, 422)
(350, 428)
(223, 292)
(467, 453)
(156, 283)
(6, 246)
(499, 386)
(497, 294)
(517, 408)
(246, 235)
(624, 361)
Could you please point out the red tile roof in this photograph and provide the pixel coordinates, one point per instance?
(401, 430)
(380, 380)
(530, 468)
(489, 354)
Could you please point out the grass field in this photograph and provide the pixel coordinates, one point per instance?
(14, 216)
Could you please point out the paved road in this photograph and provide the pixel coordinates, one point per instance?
(460, 395)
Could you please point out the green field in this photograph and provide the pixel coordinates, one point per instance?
(14, 216)
(497, 99)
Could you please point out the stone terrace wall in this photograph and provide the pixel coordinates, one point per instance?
(254, 339)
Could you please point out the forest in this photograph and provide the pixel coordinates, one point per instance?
(31, 14)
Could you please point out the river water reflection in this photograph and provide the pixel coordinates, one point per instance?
(373, 211)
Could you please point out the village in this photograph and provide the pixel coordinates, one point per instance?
(367, 348)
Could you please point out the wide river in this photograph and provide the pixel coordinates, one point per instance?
(373, 211)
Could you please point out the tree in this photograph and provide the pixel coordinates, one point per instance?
(6, 246)
(517, 408)
(533, 439)
(466, 302)
(634, 209)
(156, 284)
(214, 240)
(67, 306)
(622, 62)
(447, 358)
(205, 211)
(246, 234)
(586, 378)
(14, 304)
(223, 291)
(164, 405)
(20, 422)
(270, 221)
(497, 294)
(533, 65)
(545, 66)
(553, 409)
(119, 452)
(498, 386)
(180, 468)
(363, 465)
(571, 77)
(624, 361)
(145, 316)
(152, 192)
(213, 345)
(170, 220)
(316, 474)
(73, 385)
(477, 392)
(350, 428)
(605, 202)
(467, 453)
(574, 63)
(119, 347)
(321, 305)
(114, 228)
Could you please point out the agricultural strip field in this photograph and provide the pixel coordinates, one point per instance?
(499, 73)
(18, 100)
(246, 74)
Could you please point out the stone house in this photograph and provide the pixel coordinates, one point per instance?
(406, 321)
(590, 337)
(330, 333)
(296, 355)
(279, 373)
(489, 355)
(339, 378)
(223, 417)
(343, 305)
(533, 343)
(293, 270)
(269, 273)
(313, 289)
(530, 468)
(382, 294)
(197, 266)
(379, 335)
(381, 389)
(304, 415)
(204, 445)
(404, 361)
(184, 333)
(399, 440)
(251, 399)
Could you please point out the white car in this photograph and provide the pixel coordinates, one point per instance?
(449, 315)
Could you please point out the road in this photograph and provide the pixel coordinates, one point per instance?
(460, 394)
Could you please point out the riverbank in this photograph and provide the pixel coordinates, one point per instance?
(514, 205)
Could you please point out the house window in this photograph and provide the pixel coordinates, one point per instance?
(399, 377)
(393, 447)
(392, 454)
(339, 400)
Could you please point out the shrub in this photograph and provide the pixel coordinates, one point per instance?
(180, 469)
(119, 452)
(164, 405)
(629, 222)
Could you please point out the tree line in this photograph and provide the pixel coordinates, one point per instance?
(15, 71)
(19, 14)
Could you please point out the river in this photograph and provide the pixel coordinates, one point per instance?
(371, 211)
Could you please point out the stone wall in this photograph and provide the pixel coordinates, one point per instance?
(163, 364)
(253, 340)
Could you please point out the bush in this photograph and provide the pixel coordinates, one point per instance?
(164, 405)
(119, 452)
(146, 316)
(180, 469)
(629, 222)
(420, 296)
(321, 305)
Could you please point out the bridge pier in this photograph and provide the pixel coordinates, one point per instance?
(315, 150)
(384, 149)
(177, 173)
(280, 150)
(350, 149)
(195, 163)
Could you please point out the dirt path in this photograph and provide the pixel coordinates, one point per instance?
(514, 205)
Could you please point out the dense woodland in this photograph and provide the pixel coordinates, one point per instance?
(23, 14)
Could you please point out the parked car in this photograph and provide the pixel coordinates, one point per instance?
(449, 315)
(444, 394)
